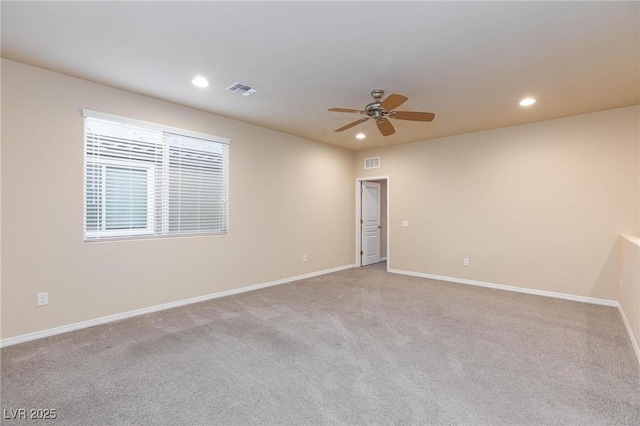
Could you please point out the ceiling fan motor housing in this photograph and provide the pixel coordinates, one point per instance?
(373, 110)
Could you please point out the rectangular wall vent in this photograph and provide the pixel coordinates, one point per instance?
(372, 163)
(243, 89)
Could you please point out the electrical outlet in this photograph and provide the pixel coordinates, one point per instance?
(465, 261)
(42, 299)
(304, 257)
(405, 223)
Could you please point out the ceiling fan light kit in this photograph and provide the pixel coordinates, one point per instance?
(382, 111)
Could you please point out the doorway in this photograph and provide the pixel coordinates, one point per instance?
(372, 231)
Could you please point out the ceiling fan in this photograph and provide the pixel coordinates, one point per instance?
(381, 111)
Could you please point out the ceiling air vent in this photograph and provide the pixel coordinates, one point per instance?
(243, 89)
(372, 163)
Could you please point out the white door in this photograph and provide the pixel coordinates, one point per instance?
(370, 223)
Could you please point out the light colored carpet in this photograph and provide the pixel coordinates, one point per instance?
(356, 347)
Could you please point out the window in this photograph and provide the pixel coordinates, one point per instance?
(144, 180)
(119, 198)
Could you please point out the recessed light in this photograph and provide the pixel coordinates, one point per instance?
(200, 82)
(360, 136)
(527, 102)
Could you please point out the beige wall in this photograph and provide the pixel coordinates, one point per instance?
(629, 292)
(538, 206)
(288, 196)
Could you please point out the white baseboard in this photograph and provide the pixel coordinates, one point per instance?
(117, 317)
(592, 300)
(634, 342)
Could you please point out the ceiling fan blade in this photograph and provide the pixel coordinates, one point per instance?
(344, 110)
(350, 125)
(414, 116)
(393, 101)
(385, 127)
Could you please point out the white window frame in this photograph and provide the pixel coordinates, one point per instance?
(129, 164)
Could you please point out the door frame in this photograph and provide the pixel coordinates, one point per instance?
(358, 196)
(368, 231)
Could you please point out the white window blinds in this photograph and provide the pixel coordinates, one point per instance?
(144, 180)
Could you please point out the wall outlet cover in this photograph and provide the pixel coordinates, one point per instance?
(42, 299)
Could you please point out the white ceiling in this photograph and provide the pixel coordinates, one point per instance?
(468, 62)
